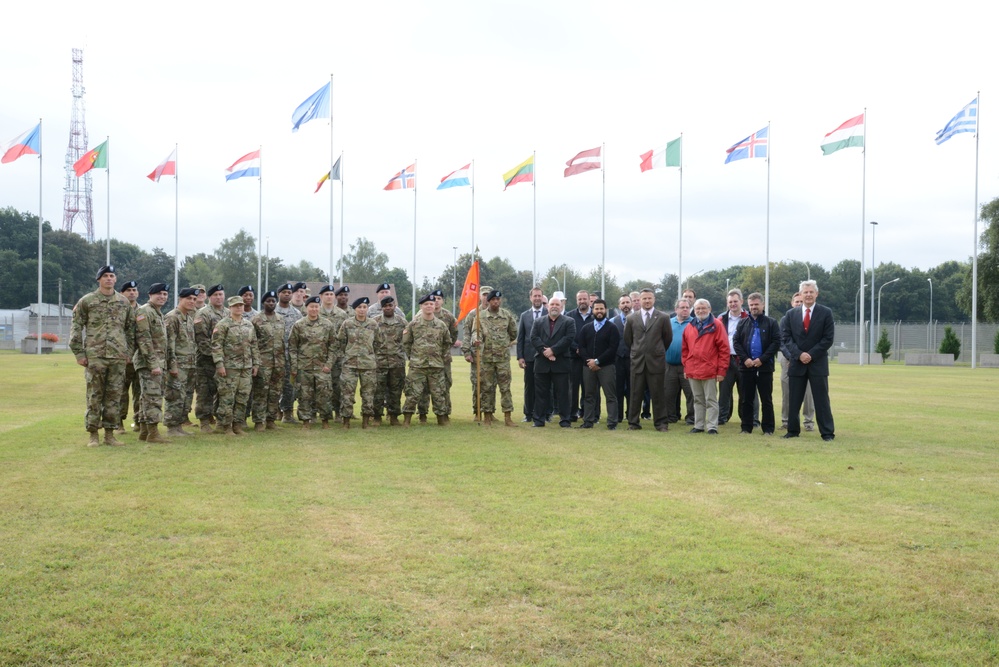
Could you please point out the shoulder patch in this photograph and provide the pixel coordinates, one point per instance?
(215, 330)
(139, 318)
(197, 320)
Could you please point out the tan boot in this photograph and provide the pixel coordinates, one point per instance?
(271, 426)
(326, 424)
(508, 420)
(259, 426)
(120, 430)
(237, 428)
(442, 420)
(365, 420)
(487, 418)
(376, 420)
(228, 430)
(154, 435)
(95, 440)
(423, 419)
(176, 431)
(407, 419)
(346, 423)
(393, 420)
(110, 440)
(206, 426)
(143, 431)
(220, 429)
(306, 425)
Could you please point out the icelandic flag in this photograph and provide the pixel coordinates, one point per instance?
(755, 145)
(456, 179)
(966, 120)
(404, 180)
(248, 165)
(316, 106)
(25, 144)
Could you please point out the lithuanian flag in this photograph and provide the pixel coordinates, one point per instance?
(522, 173)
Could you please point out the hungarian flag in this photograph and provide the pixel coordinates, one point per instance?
(470, 292)
(96, 157)
(847, 135)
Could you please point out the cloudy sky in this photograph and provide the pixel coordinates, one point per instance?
(445, 83)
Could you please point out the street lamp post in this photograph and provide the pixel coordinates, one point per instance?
(695, 273)
(856, 309)
(929, 330)
(557, 283)
(874, 229)
(879, 301)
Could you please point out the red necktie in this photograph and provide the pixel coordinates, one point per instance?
(808, 318)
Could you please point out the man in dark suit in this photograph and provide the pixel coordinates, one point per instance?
(757, 343)
(598, 345)
(807, 333)
(551, 339)
(581, 315)
(648, 333)
(525, 353)
(622, 363)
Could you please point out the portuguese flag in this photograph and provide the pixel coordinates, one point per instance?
(95, 157)
(522, 173)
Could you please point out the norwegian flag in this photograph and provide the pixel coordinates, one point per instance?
(404, 180)
(755, 145)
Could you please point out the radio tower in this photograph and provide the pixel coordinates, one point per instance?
(77, 202)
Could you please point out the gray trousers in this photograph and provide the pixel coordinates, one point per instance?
(593, 381)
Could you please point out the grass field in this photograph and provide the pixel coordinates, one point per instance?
(499, 546)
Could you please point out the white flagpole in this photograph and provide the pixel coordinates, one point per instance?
(766, 279)
(534, 185)
(473, 209)
(342, 281)
(260, 229)
(679, 268)
(603, 221)
(107, 171)
(38, 343)
(176, 222)
(414, 235)
(974, 258)
(863, 239)
(331, 181)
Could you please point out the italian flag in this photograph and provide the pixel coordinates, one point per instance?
(847, 135)
(95, 157)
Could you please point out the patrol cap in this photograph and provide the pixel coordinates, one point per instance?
(359, 302)
(384, 287)
(485, 289)
(214, 288)
(425, 298)
(326, 288)
(199, 286)
(344, 289)
(244, 289)
(129, 284)
(269, 295)
(494, 294)
(188, 291)
(234, 301)
(156, 288)
(289, 287)
(104, 269)
(437, 292)
(299, 285)
(313, 299)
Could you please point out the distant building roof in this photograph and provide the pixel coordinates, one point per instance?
(49, 310)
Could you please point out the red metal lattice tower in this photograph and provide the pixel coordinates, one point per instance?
(77, 203)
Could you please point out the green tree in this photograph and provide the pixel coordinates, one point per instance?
(884, 345)
(364, 264)
(950, 344)
(988, 267)
(995, 343)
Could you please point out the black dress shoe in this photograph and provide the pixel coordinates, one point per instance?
(538, 425)
(586, 425)
(662, 429)
(611, 427)
(634, 427)
(526, 419)
(697, 430)
(712, 431)
(789, 435)
(565, 424)
(827, 438)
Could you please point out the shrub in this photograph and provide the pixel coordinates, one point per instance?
(995, 343)
(884, 345)
(950, 344)
(50, 337)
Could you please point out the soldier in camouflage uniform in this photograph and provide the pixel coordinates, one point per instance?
(497, 331)
(391, 361)
(356, 345)
(234, 351)
(466, 341)
(452, 325)
(130, 290)
(150, 360)
(312, 349)
(205, 320)
(329, 310)
(267, 384)
(427, 343)
(290, 314)
(182, 360)
(342, 297)
(381, 291)
(101, 339)
(199, 303)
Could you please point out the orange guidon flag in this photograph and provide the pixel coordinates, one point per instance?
(470, 292)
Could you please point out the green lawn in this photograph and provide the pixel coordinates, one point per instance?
(499, 546)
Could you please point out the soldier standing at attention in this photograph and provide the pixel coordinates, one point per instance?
(299, 293)
(356, 344)
(427, 343)
(452, 325)
(383, 290)
(290, 314)
(101, 339)
(182, 360)
(312, 348)
(234, 351)
(342, 297)
(466, 340)
(329, 310)
(267, 384)
(391, 361)
(150, 362)
(130, 290)
(246, 294)
(199, 303)
(498, 331)
(205, 320)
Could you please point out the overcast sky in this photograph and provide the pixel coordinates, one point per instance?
(446, 83)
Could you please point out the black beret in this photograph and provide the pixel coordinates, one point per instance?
(244, 289)
(269, 295)
(387, 300)
(362, 301)
(188, 291)
(300, 285)
(129, 284)
(494, 294)
(425, 298)
(344, 289)
(156, 288)
(437, 292)
(326, 288)
(104, 269)
(313, 299)
(384, 286)
(214, 288)
(290, 287)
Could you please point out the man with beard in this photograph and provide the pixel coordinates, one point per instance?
(622, 362)
(269, 380)
(757, 342)
(598, 343)
(551, 339)
(581, 315)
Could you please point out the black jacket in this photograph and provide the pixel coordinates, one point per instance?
(600, 345)
(769, 341)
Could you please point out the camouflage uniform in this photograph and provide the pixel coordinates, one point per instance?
(291, 314)
(428, 344)
(206, 381)
(337, 316)
(269, 381)
(150, 354)
(498, 331)
(356, 345)
(466, 349)
(452, 325)
(312, 347)
(182, 358)
(109, 323)
(234, 348)
(131, 381)
(391, 361)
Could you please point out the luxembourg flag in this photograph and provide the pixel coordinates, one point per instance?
(248, 165)
(25, 144)
(456, 179)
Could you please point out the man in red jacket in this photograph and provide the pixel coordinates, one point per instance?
(705, 357)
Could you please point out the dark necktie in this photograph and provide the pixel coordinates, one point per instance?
(808, 318)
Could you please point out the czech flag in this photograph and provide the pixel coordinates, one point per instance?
(26, 144)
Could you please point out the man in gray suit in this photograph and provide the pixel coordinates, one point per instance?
(551, 338)
(648, 333)
(525, 353)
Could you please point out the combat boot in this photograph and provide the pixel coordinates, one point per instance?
(95, 440)
(120, 430)
(306, 425)
(346, 423)
(508, 420)
(177, 432)
(289, 417)
(206, 426)
(136, 427)
(326, 424)
(259, 426)
(423, 419)
(365, 420)
(487, 418)
(376, 420)
(220, 429)
(271, 426)
(143, 431)
(228, 430)
(238, 428)
(154, 436)
(393, 420)
(110, 440)
(442, 420)
(407, 419)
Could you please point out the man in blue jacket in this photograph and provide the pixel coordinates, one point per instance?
(757, 342)
(676, 381)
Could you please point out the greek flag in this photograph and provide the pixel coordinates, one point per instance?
(966, 120)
